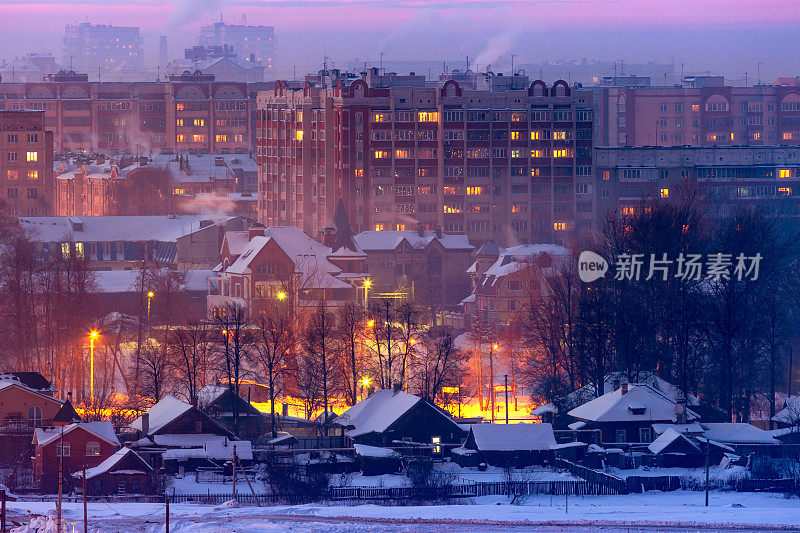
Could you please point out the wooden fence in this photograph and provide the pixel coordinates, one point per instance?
(768, 485)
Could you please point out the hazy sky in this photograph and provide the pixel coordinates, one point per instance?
(726, 36)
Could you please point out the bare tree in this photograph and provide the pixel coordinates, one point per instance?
(439, 364)
(234, 350)
(156, 370)
(191, 347)
(349, 332)
(273, 344)
(319, 341)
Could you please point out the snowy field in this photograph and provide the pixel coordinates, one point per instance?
(640, 512)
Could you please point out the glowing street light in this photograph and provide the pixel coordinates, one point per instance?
(281, 296)
(150, 295)
(92, 336)
(371, 324)
(367, 285)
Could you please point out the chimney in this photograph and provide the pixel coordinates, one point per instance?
(254, 231)
(438, 232)
(145, 423)
(615, 384)
(329, 237)
(680, 413)
(101, 159)
(219, 161)
(397, 387)
(420, 230)
(624, 388)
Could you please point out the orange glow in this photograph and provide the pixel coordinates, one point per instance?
(93, 334)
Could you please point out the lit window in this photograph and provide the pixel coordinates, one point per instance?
(536, 135)
(79, 250)
(685, 229)
(559, 226)
(12, 174)
(180, 107)
(428, 116)
(436, 441)
(198, 138)
(221, 138)
(64, 250)
(33, 156)
(516, 152)
(474, 191)
(785, 173)
(514, 135)
(381, 154)
(400, 227)
(664, 193)
(628, 211)
(537, 152)
(299, 135)
(379, 227)
(179, 122)
(559, 135)
(695, 108)
(33, 174)
(178, 191)
(199, 122)
(787, 136)
(358, 173)
(562, 152)
(180, 138)
(403, 154)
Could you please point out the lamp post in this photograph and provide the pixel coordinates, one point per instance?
(365, 381)
(367, 285)
(92, 337)
(150, 295)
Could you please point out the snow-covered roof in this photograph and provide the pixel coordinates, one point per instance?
(112, 461)
(577, 425)
(377, 413)
(167, 228)
(102, 429)
(693, 428)
(518, 257)
(237, 241)
(665, 439)
(31, 381)
(737, 433)
(209, 394)
(123, 281)
(587, 392)
(203, 446)
(169, 408)
(790, 414)
(373, 451)
(544, 408)
(640, 403)
(389, 240)
(512, 437)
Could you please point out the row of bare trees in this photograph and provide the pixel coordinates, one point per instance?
(726, 338)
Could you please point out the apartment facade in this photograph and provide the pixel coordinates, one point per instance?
(766, 178)
(491, 165)
(91, 47)
(26, 164)
(702, 112)
(252, 43)
(186, 113)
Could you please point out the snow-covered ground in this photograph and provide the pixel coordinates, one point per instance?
(715, 473)
(676, 509)
(187, 485)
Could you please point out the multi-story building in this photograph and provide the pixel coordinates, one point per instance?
(26, 164)
(702, 112)
(252, 43)
(187, 113)
(89, 47)
(492, 165)
(221, 61)
(767, 178)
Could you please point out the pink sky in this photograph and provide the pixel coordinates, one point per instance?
(371, 15)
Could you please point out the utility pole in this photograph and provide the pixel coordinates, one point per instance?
(166, 525)
(2, 511)
(234, 472)
(708, 448)
(505, 378)
(60, 481)
(85, 512)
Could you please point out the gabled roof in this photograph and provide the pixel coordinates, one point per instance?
(102, 429)
(490, 248)
(209, 394)
(168, 409)
(14, 383)
(112, 461)
(790, 414)
(32, 380)
(389, 240)
(345, 245)
(378, 412)
(67, 414)
(513, 437)
(618, 407)
(667, 438)
(737, 433)
(376, 452)
(237, 241)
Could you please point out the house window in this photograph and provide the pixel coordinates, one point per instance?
(92, 449)
(621, 435)
(35, 416)
(33, 156)
(66, 449)
(436, 442)
(644, 435)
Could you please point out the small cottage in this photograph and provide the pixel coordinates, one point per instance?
(125, 472)
(673, 449)
(516, 445)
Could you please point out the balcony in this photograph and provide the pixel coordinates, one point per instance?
(23, 426)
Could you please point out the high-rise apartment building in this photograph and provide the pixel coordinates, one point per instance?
(188, 112)
(766, 178)
(88, 47)
(251, 43)
(26, 164)
(493, 165)
(702, 112)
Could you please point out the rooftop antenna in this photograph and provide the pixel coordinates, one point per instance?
(512, 63)
(381, 63)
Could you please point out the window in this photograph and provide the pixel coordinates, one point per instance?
(381, 117)
(198, 138)
(436, 442)
(35, 416)
(514, 135)
(782, 173)
(406, 153)
(559, 226)
(180, 107)
(12, 174)
(199, 122)
(381, 154)
(92, 449)
(644, 435)
(33, 174)
(536, 135)
(664, 193)
(221, 138)
(562, 152)
(559, 135)
(66, 449)
(11, 157)
(428, 116)
(180, 138)
(621, 435)
(12, 138)
(179, 122)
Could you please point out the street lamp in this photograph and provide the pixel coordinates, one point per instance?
(365, 381)
(281, 296)
(367, 285)
(150, 295)
(92, 337)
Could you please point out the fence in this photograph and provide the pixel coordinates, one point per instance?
(594, 476)
(768, 485)
(638, 484)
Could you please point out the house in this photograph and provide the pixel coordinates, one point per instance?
(182, 242)
(124, 472)
(556, 411)
(428, 265)
(743, 438)
(518, 275)
(279, 265)
(626, 415)
(84, 445)
(26, 402)
(789, 415)
(391, 418)
(672, 449)
(176, 435)
(516, 445)
(218, 402)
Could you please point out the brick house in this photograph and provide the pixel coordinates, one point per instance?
(124, 472)
(85, 445)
